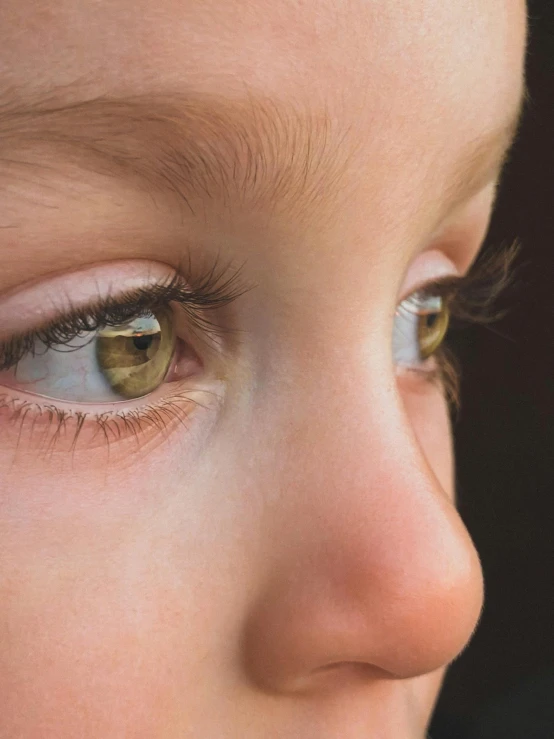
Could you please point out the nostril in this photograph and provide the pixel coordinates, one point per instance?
(340, 675)
(336, 665)
(361, 669)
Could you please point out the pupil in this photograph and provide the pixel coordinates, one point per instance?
(142, 343)
(431, 320)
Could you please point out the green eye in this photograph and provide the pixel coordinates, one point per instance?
(135, 357)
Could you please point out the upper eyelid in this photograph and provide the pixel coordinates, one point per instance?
(48, 299)
(216, 288)
(472, 297)
(446, 286)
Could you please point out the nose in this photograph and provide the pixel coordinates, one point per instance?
(369, 572)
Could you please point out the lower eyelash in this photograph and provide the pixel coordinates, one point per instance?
(449, 377)
(49, 429)
(445, 374)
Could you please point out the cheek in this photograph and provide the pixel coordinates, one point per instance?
(84, 642)
(109, 604)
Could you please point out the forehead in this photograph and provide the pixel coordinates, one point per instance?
(378, 55)
(406, 84)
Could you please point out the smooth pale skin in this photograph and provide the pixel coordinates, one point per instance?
(292, 564)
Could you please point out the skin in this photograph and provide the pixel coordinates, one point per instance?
(290, 562)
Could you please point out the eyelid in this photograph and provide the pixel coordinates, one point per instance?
(32, 306)
(429, 267)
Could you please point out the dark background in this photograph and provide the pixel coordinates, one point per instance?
(502, 686)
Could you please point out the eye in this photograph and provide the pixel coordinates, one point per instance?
(115, 352)
(420, 325)
(113, 362)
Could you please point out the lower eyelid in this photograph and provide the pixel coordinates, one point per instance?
(439, 374)
(418, 378)
(36, 425)
(426, 370)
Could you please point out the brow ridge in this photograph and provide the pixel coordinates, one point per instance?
(253, 151)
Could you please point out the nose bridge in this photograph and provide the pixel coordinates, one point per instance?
(372, 563)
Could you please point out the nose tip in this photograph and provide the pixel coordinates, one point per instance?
(361, 613)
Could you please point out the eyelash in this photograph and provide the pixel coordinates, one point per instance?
(469, 299)
(214, 290)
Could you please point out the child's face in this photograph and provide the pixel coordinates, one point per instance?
(268, 544)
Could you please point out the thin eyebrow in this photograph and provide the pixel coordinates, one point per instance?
(484, 158)
(252, 150)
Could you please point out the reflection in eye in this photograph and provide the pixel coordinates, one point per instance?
(135, 357)
(420, 325)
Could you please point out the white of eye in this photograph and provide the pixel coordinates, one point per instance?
(412, 340)
(65, 373)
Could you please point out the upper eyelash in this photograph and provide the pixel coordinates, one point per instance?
(471, 299)
(216, 288)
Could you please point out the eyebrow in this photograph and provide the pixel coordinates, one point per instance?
(483, 159)
(197, 146)
(201, 146)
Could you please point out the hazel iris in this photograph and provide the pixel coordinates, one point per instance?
(432, 326)
(135, 357)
